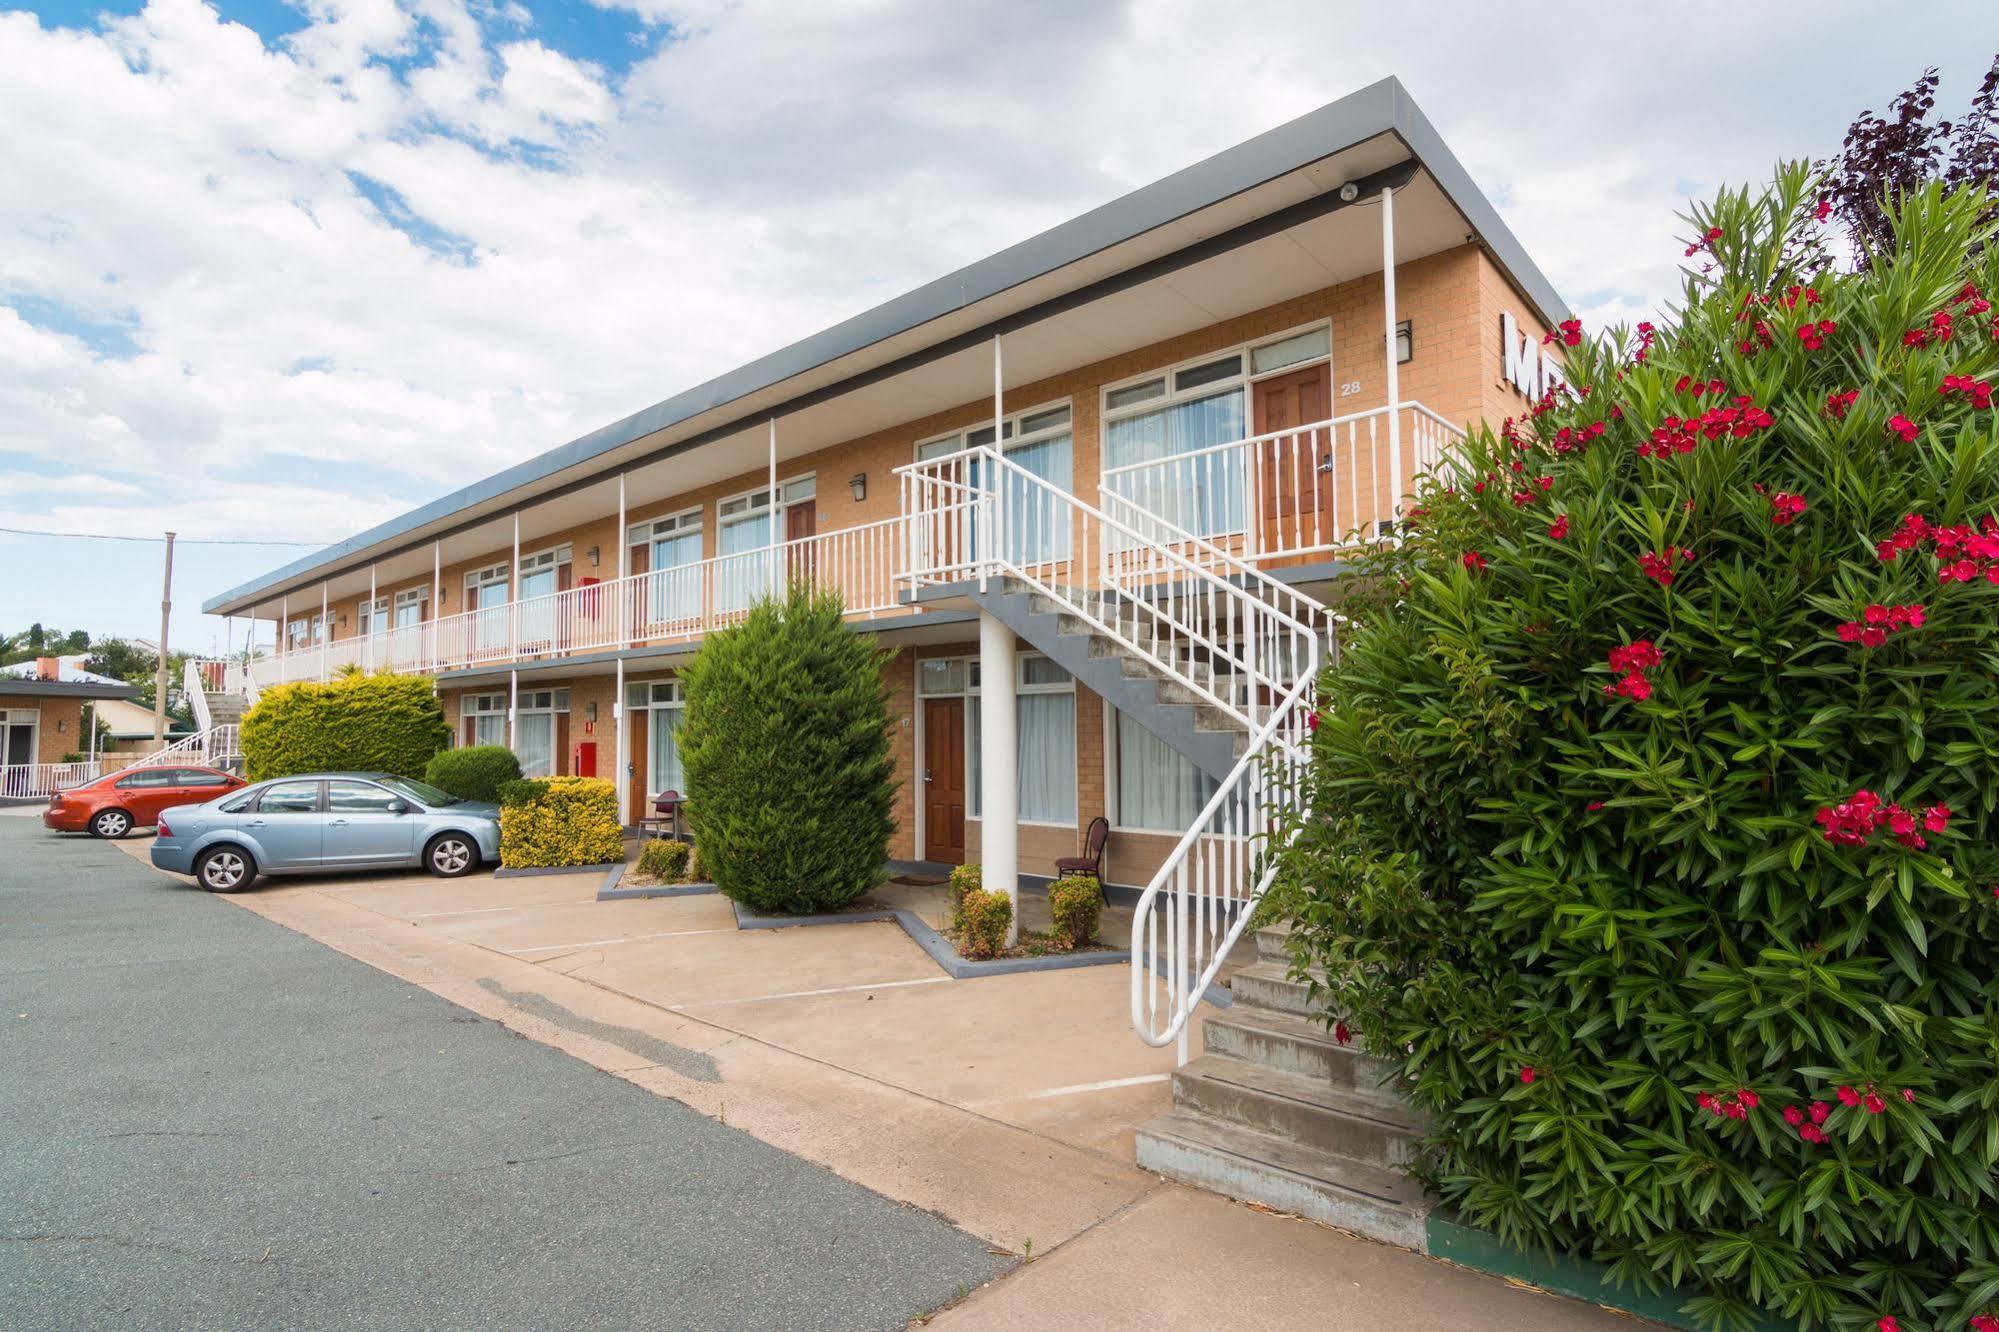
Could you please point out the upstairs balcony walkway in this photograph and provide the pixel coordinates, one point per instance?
(1278, 500)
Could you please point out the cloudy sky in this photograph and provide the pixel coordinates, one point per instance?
(281, 269)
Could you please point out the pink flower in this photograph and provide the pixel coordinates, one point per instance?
(1527, 1073)
(1785, 508)
(1888, 1324)
(1902, 426)
(1820, 1112)
(1559, 529)
(1909, 1095)
(1936, 818)
(1848, 1096)
(1341, 1033)
(1474, 561)
(1793, 1116)
(1875, 1105)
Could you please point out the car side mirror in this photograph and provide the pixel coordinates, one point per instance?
(399, 807)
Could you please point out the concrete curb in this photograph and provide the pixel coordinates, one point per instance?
(936, 945)
(534, 871)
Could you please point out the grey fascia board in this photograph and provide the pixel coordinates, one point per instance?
(1383, 107)
(64, 689)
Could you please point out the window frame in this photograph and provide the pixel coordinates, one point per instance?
(1246, 376)
(319, 796)
(1012, 436)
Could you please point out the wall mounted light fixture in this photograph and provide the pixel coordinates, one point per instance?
(593, 553)
(859, 484)
(1405, 342)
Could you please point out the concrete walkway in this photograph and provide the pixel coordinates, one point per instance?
(210, 1121)
(1004, 1104)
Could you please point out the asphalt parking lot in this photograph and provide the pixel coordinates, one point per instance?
(208, 1120)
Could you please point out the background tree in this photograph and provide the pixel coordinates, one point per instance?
(1883, 158)
(39, 641)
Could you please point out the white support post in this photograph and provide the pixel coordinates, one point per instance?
(284, 632)
(325, 634)
(999, 781)
(513, 704)
(620, 772)
(770, 573)
(368, 643)
(624, 593)
(514, 606)
(436, 602)
(1394, 369)
(995, 520)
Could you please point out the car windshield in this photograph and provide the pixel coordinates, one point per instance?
(421, 792)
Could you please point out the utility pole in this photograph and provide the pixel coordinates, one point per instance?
(160, 678)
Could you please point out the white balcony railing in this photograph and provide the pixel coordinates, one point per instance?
(663, 606)
(1312, 490)
(28, 781)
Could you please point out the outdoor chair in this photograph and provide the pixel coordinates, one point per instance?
(665, 820)
(1091, 862)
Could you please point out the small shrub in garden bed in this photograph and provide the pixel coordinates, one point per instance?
(964, 879)
(1076, 903)
(476, 772)
(696, 871)
(664, 859)
(987, 917)
(1651, 832)
(557, 821)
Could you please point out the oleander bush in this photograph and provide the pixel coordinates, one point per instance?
(964, 879)
(664, 859)
(790, 778)
(476, 772)
(548, 822)
(1076, 903)
(1651, 830)
(358, 723)
(987, 918)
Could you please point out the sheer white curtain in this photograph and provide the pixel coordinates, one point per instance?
(1046, 754)
(663, 763)
(1036, 528)
(676, 596)
(1204, 496)
(534, 743)
(742, 580)
(1156, 786)
(489, 729)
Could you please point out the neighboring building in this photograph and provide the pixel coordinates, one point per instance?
(45, 718)
(127, 724)
(1149, 358)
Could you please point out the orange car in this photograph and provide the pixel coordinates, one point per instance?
(118, 802)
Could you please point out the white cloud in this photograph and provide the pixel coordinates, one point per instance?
(416, 241)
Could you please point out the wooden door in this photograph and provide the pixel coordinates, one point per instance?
(944, 780)
(801, 520)
(638, 724)
(1294, 497)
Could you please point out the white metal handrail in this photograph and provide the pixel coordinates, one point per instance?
(194, 685)
(1316, 488)
(1209, 622)
(208, 746)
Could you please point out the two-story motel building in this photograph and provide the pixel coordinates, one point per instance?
(1212, 366)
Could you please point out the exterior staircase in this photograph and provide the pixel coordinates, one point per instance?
(1276, 1111)
(1155, 697)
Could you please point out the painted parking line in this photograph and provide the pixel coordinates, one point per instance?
(1110, 1084)
(601, 943)
(807, 994)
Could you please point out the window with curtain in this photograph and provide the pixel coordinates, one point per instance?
(1207, 495)
(671, 547)
(663, 769)
(1157, 787)
(746, 534)
(534, 743)
(1039, 441)
(1045, 752)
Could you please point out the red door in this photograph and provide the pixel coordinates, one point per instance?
(1293, 494)
(944, 780)
(801, 520)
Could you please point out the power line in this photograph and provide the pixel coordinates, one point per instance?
(185, 541)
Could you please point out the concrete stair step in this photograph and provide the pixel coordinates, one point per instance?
(1268, 984)
(1289, 1043)
(1273, 943)
(1366, 1126)
(1259, 1167)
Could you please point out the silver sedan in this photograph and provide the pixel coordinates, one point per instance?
(321, 823)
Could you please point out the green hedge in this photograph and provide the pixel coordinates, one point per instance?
(555, 821)
(1652, 838)
(987, 917)
(476, 772)
(1076, 905)
(790, 779)
(360, 723)
(664, 859)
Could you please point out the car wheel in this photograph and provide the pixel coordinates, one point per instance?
(225, 869)
(451, 855)
(112, 823)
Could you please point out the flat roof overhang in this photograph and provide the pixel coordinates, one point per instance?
(1242, 230)
(16, 688)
